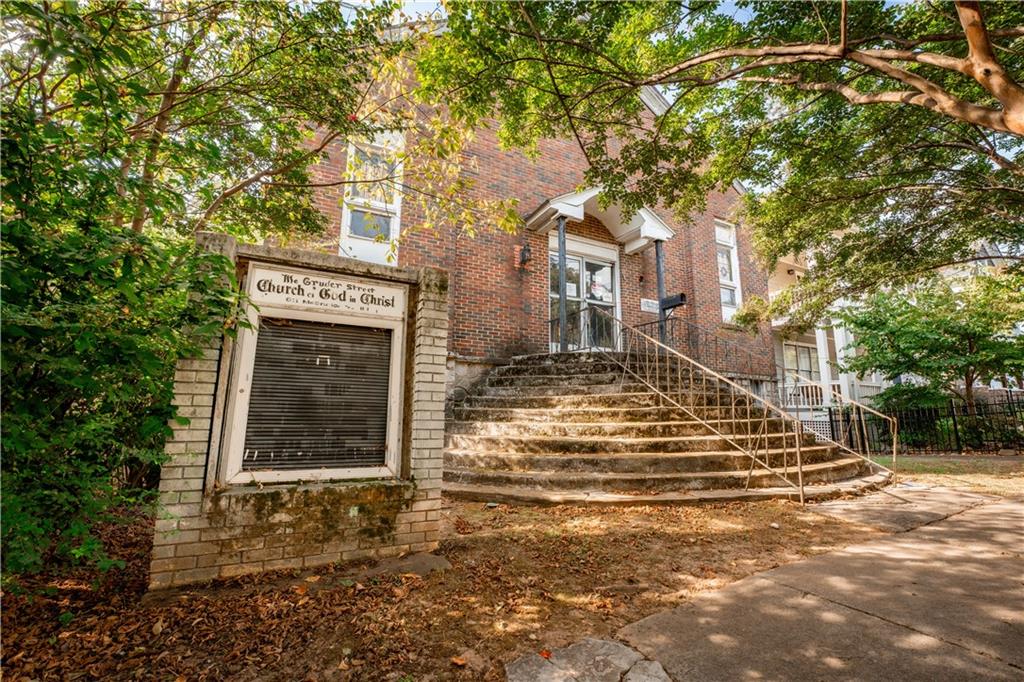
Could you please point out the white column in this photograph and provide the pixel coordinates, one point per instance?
(821, 343)
(842, 338)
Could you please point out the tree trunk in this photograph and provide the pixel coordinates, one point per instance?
(969, 393)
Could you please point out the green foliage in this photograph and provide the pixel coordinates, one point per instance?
(125, 128)
(950, 333)
(197, 114)
(93, 319)
(904, 396)
(879, 192)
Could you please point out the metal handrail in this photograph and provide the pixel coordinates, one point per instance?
(699, 340)
(857, 408)
(585, 341)
(705, 337)
(742, 405)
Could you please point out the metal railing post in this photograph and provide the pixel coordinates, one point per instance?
(895, 441)
(956, 428)
(799, 461)
(722, 387)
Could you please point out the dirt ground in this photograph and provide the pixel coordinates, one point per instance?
(522, 579)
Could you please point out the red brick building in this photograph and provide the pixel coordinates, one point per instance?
(504, 287)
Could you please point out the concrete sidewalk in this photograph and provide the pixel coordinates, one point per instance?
(944, 601)
(940, 599)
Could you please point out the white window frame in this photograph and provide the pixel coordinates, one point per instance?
(729, 241)
(368, 248)
(240, 388)
(815, 365)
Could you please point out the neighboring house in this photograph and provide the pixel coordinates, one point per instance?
(816, 354)
(504, 287)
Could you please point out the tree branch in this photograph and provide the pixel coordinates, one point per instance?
(163, 118)
(843, 38)
(554, 83)
(969, 113)
(986, 69)
(256, 177)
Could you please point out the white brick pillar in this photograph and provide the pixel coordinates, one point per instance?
(176, 541)
(211, 528)
(426, 414)
(824, 368)
(846, 379)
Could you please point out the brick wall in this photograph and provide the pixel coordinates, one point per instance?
(206, 530)
(706, 308)
(498, 309)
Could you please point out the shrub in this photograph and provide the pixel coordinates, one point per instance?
(93, 319)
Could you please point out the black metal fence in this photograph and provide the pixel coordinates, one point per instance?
(989, 427)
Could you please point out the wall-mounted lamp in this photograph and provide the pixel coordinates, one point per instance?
(525, 254)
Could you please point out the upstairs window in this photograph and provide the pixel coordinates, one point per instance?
(372, 204)
(727, 261)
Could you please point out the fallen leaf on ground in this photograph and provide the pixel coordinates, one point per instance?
(523, 568)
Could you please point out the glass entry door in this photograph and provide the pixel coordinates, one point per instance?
(588, 284)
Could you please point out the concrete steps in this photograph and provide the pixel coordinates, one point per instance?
(603, 429)
(589, 368)
(576, 427)
(631, 396)
(580, 415)
(513, 495)
(582, 399)
(673, 443)
(822, 472)
(580, 378)
(622, 462)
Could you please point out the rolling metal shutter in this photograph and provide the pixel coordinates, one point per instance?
(319, 396)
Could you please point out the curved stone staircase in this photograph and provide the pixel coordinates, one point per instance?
(575, 428)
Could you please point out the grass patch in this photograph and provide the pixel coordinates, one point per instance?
(991, 475)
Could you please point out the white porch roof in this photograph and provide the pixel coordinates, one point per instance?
(635, 234)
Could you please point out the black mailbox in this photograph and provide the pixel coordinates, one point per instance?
(674, 301)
